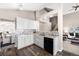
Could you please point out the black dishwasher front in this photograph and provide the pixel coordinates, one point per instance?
(48, 44)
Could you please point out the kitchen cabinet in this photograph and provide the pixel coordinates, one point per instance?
(28, 40)
(51, 44)
(56, 45)
(24, 23)
(39, 41)
(24, 41)
(21, 41)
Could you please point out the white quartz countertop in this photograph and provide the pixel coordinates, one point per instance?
(49, 36)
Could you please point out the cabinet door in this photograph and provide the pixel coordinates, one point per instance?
(24, 23)
(20, 42)
(21, 23)
(39, 41)
(35, 40)
(28, 40)
(56, 45)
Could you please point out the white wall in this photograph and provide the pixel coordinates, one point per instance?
(44, 24)
(44, 27)
(12, 14)
(71, 20)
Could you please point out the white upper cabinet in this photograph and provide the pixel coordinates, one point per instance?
(23, 23)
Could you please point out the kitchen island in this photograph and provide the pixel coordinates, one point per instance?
(47, 42)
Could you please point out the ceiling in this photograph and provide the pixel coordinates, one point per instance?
(36, 6)
(27, 6)
(67, 7)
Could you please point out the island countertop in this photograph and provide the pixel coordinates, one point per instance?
(49, 36)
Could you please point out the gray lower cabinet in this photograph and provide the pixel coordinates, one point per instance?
(39, 41)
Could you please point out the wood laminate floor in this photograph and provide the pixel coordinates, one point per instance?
(32, 50)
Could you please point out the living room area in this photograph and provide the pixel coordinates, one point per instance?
(71, 30)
